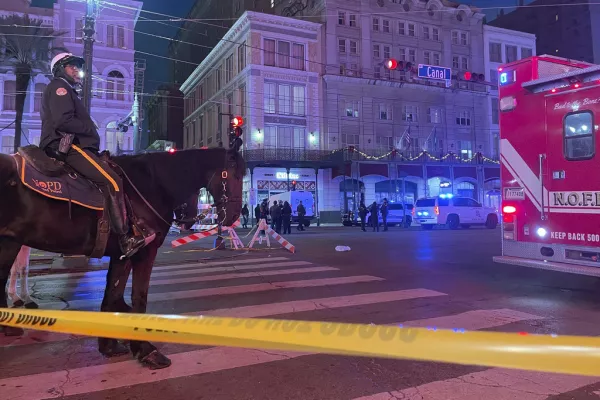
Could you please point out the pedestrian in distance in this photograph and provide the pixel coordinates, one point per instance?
(286, 216)
(257, 213)
(384, 214)
(276, 217)
(362, 212)
(301, 213)
(245, 215)
(375, 216)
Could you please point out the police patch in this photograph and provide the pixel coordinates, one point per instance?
(61, 91)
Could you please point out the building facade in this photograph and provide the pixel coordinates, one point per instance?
(502, 46)
(164, 115)
(567, 31)
(114, 70)
(203, 28)
(405, 136)
(266, 69)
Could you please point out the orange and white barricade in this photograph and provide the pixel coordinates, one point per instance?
(236, 242)
(263, 226)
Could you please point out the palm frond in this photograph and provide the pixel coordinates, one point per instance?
(28, 42)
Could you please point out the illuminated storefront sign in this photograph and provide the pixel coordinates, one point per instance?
(283, 175)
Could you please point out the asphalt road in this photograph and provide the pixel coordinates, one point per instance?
(435, 278)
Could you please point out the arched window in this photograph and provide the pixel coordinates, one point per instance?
(115, 86)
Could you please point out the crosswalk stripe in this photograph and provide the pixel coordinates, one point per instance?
(226, 290)
(76, 281)
(206, 278)
(257, 311)
(92, 379)
(494, 383)
(231, 261)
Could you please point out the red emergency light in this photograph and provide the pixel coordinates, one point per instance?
(509, 209)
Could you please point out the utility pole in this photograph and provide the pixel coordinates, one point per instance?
(88, 50)
(135, 119)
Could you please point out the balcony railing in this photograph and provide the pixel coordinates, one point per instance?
(351, 154)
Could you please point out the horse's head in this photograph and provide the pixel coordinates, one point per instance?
(225, 186)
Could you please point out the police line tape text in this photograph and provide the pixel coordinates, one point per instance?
(7, 317)
(582, 237)
(385, 333)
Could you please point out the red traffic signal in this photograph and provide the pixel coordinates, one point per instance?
(473, 77)
(391, 64)
(171, 150)
(398, 65)
(237, 121)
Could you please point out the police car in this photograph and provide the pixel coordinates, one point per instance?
(453, 211)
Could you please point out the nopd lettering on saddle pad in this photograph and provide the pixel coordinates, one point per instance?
(62, 187)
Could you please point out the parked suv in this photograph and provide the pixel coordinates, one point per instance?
(396, 215)
(453, 211)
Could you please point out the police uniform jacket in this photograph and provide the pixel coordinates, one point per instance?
(63, 112)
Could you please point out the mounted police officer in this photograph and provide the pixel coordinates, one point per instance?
(69, 134)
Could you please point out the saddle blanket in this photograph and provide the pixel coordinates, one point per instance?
(78, 190)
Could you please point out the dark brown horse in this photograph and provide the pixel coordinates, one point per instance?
(164, 180)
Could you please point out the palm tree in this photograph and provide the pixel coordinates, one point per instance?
(28, 46)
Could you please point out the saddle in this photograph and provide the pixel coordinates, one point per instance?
(56, 180)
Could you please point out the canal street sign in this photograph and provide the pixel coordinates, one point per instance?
(434, 72)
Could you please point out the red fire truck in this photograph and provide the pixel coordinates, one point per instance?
(550, 164)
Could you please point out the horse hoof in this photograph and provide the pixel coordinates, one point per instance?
(12, 331)
(155, 360)
(114, 349)
(18, 304)
(32, 305)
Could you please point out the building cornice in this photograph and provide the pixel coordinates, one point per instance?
(240, 27)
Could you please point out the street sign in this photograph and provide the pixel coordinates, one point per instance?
(434, 72)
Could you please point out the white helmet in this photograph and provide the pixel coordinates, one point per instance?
(62, 59)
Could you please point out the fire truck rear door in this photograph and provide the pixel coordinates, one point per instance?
(572, 203)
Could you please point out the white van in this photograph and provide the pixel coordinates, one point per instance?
(294, 198)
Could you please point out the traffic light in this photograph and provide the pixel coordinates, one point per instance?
(472, 77)
(393, 64)
(235, 132)
(293, 185)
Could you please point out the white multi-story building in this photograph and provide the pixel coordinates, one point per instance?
(392, 117)
(113, 69)
(501, 46)
(265, 69)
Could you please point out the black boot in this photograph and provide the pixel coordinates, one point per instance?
(130, 243)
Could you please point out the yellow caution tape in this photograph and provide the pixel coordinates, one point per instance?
(545, 353)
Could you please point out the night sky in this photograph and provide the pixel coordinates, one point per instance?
(157, 70)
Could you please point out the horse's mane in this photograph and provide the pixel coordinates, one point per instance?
(163, 157)
(174, 170)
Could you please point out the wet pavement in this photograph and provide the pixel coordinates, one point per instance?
(435, 278)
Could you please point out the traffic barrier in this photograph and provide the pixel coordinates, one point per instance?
(543, 353)
(263, 226)
(200, 235)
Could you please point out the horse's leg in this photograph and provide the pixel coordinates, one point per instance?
(23, 263)
(8, 253)
(114, 301)
(12, 286)
(145, 352)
